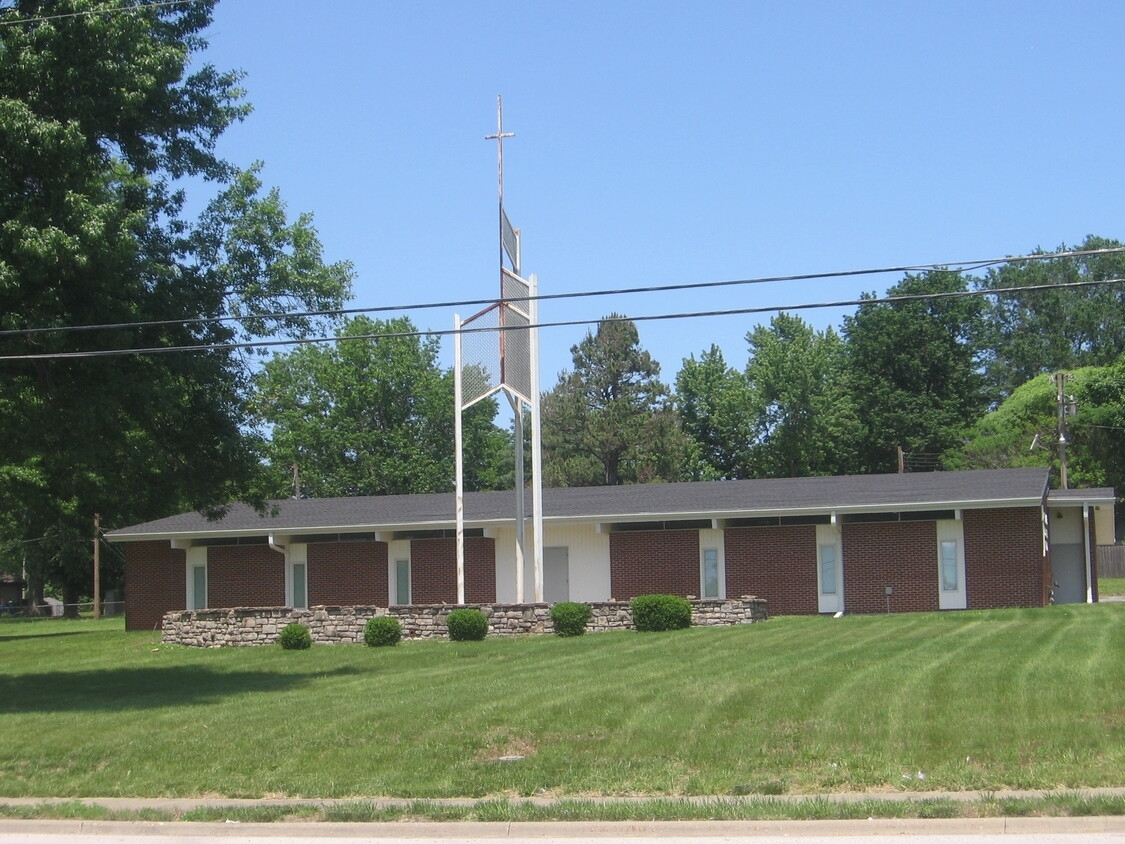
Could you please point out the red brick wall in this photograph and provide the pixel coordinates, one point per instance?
(1004, 562)
(653, 562)
(433, 570)
(154, 583)
(902, 555)
(245, 576)
(775, 563)
(347, 573)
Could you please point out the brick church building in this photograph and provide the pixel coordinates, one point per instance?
(855, 544)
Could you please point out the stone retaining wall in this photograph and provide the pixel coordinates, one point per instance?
(332, 625)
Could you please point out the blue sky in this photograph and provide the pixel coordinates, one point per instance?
(675, 142)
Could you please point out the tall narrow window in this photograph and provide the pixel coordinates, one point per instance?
(402, 581)
(199, 587)
(300, 587)
(949, 579)
(710, 573)
(828, 569)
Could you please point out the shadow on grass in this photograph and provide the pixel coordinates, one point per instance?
(6, 637)
(125, 689)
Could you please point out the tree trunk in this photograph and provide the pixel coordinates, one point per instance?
(33, 593)
(70, 601)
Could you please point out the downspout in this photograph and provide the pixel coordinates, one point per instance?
(1089, 556)
(275, 547)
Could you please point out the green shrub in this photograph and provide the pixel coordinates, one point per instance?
(467, 625)
(570, 618)
(382, 630)
(660, 612)
(295, 637)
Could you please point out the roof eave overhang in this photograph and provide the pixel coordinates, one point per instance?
(633, 516)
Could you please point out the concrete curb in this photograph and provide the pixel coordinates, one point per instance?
(521, 831)
(181, 804)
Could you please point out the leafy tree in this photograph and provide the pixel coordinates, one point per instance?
(1030, 332)
(103, 131)
(1098, 430)
(805, 420)
(610, 420)
(1023, 429)
(372, 415)
(715, 404)
(913, 368)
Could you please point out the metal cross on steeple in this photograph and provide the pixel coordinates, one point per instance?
(499, 138)
(508, 237)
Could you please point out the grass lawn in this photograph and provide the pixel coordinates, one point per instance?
(1108, 586)
(955, 701)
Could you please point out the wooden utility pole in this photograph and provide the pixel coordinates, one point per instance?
(97, 566)
(1060, 392)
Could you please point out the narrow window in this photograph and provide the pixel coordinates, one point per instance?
(949, 581)
(828, 569)
(300, 587)
(402, 581)
(199, 587)
(710, 573)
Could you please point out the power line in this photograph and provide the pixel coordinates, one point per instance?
(304, 341)
(962, 266)
(88, 12)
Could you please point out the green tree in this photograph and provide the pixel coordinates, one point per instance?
(715, 405)
(805, 420)
(1030, 332)
(1023, 430)
(610, 420)
(103, 133)
(372, 415)
(1098, 430)
(913, 368)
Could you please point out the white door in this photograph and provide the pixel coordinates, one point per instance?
(829, 570)
(951, 565)
(196, 598)
(296, 577)
(556, 574)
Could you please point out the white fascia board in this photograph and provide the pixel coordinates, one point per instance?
(1098, 497)
(288, 531)
(647, 516)
(751, 512)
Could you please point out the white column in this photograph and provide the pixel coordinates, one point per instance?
(459, 459)
(536, 440)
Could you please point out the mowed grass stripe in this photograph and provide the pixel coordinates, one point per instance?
(972, 700)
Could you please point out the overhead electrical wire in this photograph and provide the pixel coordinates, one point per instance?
(955, 266)
(304, 341)
(88, 12)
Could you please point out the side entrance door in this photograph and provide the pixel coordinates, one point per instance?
(556, 574)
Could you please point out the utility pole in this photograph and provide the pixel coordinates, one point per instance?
(97, 566)
(1065, 408)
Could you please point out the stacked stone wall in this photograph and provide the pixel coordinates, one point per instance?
(248, 626)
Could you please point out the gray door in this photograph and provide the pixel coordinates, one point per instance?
(556, 574)
(1068, 570)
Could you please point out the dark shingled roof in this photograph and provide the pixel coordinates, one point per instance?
(643, 502)
(1098, 495)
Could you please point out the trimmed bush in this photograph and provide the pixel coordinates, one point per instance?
(467, 625)
(295, 637)
(570, 618)
(382, 630)
(660, 612)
